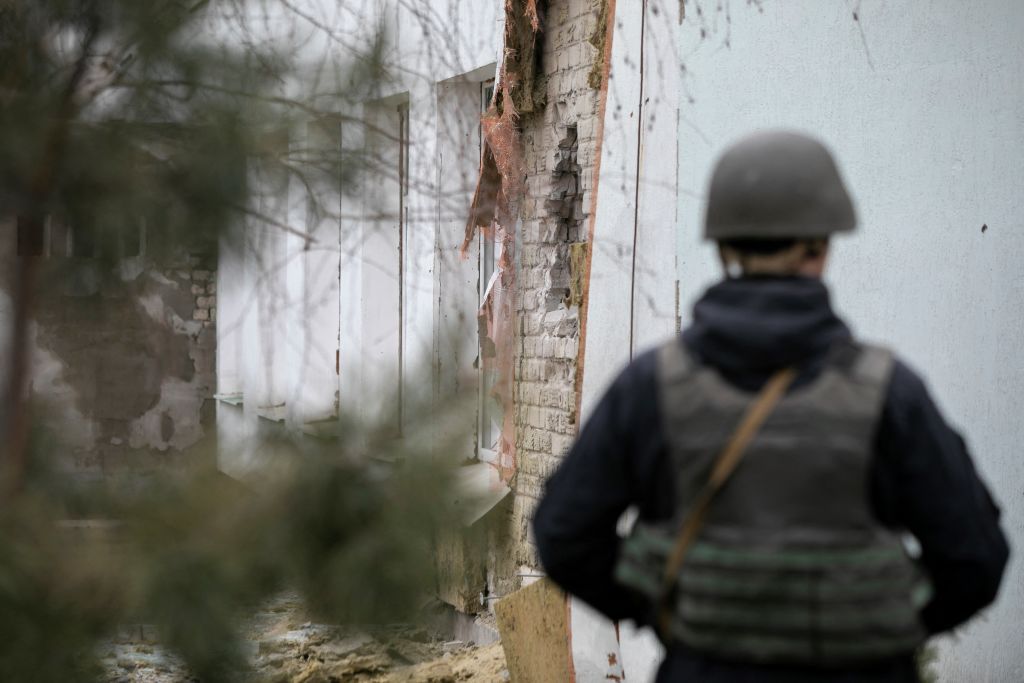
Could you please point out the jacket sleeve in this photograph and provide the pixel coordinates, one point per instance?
(575, 522)
(924, 481)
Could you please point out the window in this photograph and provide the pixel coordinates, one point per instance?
(383, 246)
(488, 411)
(85, 239)
(31, 238)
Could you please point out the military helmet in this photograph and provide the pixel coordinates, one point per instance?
(777, 185)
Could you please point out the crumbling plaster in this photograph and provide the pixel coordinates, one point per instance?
(122, 356)
(559, 145)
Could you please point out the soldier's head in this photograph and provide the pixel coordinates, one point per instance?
(775, 199)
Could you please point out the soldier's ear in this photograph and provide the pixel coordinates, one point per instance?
(816, 248)
(814, 258)
(730, 261)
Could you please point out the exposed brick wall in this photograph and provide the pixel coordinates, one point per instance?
(204, 289)
(559, 148)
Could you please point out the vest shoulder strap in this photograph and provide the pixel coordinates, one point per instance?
(868, 365)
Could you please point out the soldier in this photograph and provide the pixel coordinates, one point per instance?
(778, 466)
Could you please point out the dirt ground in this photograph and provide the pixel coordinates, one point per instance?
(285, 647)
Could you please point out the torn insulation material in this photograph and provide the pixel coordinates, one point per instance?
(533, 15)
(497, 319)
(599, 72)
(495, 205)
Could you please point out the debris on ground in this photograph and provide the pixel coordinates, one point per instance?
(285, 647)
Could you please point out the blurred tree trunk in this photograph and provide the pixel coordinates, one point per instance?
(17, 414)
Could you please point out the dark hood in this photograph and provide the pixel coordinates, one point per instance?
(749, 327)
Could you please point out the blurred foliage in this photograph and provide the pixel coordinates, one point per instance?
(193, 552)
(116, 113)
(158, 107)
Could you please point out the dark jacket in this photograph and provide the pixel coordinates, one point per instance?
(922, 478)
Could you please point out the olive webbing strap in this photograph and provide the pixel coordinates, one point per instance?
(724, 466)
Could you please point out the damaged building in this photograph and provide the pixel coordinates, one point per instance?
(575, 136)
(459, 268)
(526, 220)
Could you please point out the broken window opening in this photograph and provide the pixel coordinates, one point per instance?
(488, 410)
(32, 236)
(50, 239)
(87, 238)
(132, 239)
(58, 238)
(495, 205)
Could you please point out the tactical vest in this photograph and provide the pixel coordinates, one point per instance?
(790, 565)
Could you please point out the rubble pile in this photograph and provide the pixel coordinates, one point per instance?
(287, 648)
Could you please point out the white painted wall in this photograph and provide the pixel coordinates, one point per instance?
(457, 284)
(443, 51)
(382, 259)
(315, 388)
(318, 324)
(632, 299)
(632, 280)
(922, 103)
